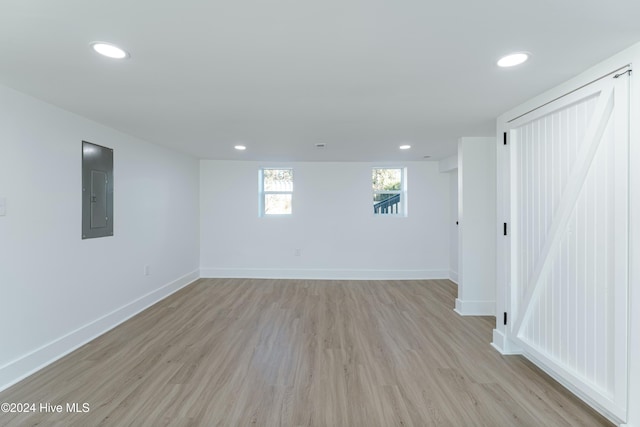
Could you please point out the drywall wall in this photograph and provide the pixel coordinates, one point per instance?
(59, 291)
(477, 231)
(449, 165)
(332, 225)
(453, 225)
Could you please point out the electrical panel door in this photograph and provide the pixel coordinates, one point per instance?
(97, 191)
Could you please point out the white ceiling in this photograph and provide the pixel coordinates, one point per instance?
(279, 76)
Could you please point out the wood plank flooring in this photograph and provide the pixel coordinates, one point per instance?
(237, 352)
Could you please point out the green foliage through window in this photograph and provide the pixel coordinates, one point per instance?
(388, 187)
(276, 191)
(387, 179)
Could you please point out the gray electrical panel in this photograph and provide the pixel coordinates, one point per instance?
(97, 191)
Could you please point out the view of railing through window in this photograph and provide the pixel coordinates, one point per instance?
(388, 187)
(389, 205)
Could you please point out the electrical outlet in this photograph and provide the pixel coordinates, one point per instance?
(147, 270)
(297, 252)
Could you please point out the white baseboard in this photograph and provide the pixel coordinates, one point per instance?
(326, 274)
(475, 308)
(32, 362)
(503, 345)
(599, 401)
(453, 276)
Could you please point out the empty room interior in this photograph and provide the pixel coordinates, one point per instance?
(336, 213)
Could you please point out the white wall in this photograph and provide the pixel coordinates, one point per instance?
(449, 165)
(332, 224)
(476, 231)
(57, 290)
(453, 227)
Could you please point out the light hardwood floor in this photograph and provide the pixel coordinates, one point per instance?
(236, 352)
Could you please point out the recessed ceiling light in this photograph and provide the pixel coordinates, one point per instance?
(405, 147)
(240, 147)
(513, 59)
(109, 50)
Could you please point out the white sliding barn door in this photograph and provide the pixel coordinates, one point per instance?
(568, 197)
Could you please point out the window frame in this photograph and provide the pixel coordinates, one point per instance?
(262, 193)
(402, 205)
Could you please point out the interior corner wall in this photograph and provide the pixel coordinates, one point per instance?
(59, 291)
(453, 226)
(332, 225)
(476, 230)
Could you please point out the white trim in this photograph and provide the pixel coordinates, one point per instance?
(453, 276)
(503, 344)
(18, 369)
(262, 194)
(322, 274)
(475, 308)
(572, 383)
(633, 330)
(402, 209)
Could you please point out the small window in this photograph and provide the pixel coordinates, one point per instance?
(389, 191)
(276, 191)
